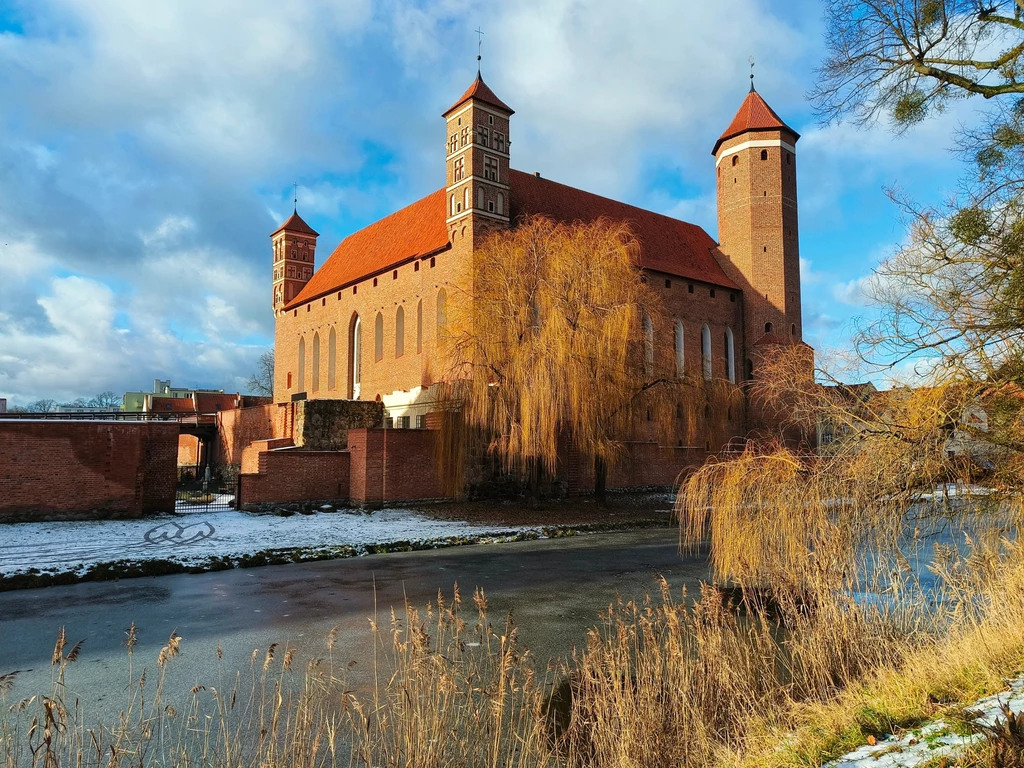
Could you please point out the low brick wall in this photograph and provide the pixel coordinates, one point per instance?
(296, 475)
(78, 470)
(237, 428)
(393, 465)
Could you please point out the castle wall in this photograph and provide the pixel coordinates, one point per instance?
(407, 286)
(239, 427)
(296, 475)
(78, 470)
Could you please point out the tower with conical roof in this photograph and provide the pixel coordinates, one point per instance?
(477, 162)
(294, 247)
(755, 160)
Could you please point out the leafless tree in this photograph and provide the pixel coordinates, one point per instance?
(261, 382)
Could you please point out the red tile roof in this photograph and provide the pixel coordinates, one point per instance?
(416, 230)
(479, 90)
(296, 224)
(666, 245)
(754, 115)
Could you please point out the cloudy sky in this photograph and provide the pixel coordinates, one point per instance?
(148, 148)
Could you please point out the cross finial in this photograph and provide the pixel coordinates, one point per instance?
(751, 60)
(479, 47)
(295, 197)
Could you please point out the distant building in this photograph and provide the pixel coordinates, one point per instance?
(69, 408)
(140, 402)
(3, 405)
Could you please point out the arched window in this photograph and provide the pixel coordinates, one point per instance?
(735, 159)
(648, 346)
(442, 314)
(501, 203)
(332, 359)
(705, 350)
(316, 362)
(452, 213)
(302, 364)
(764, 154)
(730, 356)
(378, 338)
(465, 198)
(400, 332)
(792, 329)
(355, 346)
(480, 197)
(419, 327)
(680, 359)
(767, 327)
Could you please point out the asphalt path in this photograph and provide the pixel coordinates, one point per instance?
(553, 590)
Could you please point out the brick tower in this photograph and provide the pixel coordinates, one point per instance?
(755, 162)
(294, 245)
(477, 152)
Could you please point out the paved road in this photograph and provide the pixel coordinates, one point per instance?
(553, 589)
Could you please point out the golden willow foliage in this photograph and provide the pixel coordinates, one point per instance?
(551, 345)
(789, 522)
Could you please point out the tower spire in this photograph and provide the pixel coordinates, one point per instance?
(479, 47)
(751, 60)
(295, 197)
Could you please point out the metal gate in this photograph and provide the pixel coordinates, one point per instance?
(204, 489)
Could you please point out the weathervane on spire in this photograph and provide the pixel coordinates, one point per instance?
(479, 47)
(295, 197)
(751, 60)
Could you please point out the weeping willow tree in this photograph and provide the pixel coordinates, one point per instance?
(555, 349)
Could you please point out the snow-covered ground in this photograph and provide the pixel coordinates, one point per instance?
(936, 739)
(199, 535)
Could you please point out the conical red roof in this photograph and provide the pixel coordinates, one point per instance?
(479, 90)
(296, 224)
(754, 115)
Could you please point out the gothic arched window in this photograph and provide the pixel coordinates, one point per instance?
(378, 338)
(316, 362)
(735, 159)
(501, 203)
(442, 314)
(648, 346)
(302, 364)
(419, 327)
(400, 332)
(355, 346)
(680, 358)
(764, 154)
(730, 356)
(332, 359)
(705, 350)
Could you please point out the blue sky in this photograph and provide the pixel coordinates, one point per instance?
(147, 150)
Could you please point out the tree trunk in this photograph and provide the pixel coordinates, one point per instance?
(534, 482)
(600, 480)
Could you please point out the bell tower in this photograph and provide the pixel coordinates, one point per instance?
(755, 165)
(477, 161)
(294, 247)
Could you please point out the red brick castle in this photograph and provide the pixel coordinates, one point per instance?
(364, 326)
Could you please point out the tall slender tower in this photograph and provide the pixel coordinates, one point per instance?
(294, 245)
(755, 163)
(477, 152)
